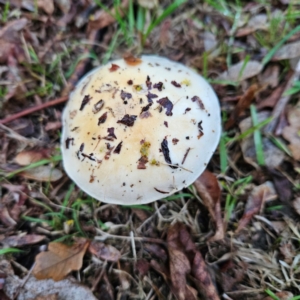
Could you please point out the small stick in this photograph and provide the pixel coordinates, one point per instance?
(34, 109)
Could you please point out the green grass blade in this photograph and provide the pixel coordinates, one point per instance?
(246, 60)
(131, 20)
(137, 206)
(10, 250)
(271, 53)
(271, 294)
(141, 16)
(168, 11)
(258, 142)
(251, 130)
(34, 165)
(223, 154)
(111, 47)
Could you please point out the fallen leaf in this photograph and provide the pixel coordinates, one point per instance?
(232, 272)
(291, 132)
(256, 22)
(104, 252)
(179, 268)
(272, 154)
(184, 259)
(10, 31)
(46, 5)
(64, 5)
(282, 185)
(296, 205)
(156, 250)
(209, 191)
(288, 51)
(59, 260)
(270, 76)
(288, 251)
(5, 217)
(43, 173)
(241, 71)
(28, 157)
(103, 18)
(256, 202)
(22, 240)
(142, 267)
(272, 99)
(243, 104)
(67, 289)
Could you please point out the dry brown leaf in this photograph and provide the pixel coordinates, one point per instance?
(28, 157)
(46, 5)
(5, 216)
(103, 18)
(243, 104)
(22, 240)
(272, 99)
(64, 5)
(209, 191)
(104, 252)
(67, 289)
(270, 76)
(288, 251)
(142, 267)
(60, 260)
(179, 268)
(256, 22)
(291, 132)
(296, 205)
(9, 31)
(282, 186)
(288, 51)
(241, 71)
(256, 202)
(43, 173)
(185, 260)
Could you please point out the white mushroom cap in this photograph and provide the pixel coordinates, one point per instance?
(138, 130)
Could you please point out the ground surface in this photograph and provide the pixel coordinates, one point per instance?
(234, 233)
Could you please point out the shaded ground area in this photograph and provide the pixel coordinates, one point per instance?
(234, 233)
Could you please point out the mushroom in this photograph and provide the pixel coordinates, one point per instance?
(139, 129)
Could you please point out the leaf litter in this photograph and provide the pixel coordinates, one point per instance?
(239, 233)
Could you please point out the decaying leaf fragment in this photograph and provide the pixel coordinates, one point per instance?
(291, 132)
(209, 190)
(256, 202)
(105, 252)
(59, 260)
(43, 173)
(185, 259)
(241, 71)
(242, 105)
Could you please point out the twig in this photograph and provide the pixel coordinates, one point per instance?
(104, 236)
(133, 245)
(99, 277)
(34, 109)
